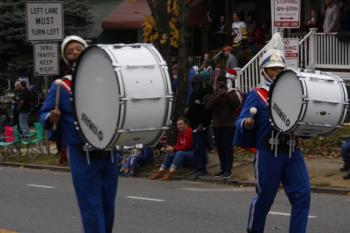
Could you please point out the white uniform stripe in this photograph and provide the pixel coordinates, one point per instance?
(144, 198)
(287, 214)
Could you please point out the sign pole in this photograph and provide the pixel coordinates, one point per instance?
(47, 142)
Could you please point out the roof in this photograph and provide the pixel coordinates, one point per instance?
(130, 15)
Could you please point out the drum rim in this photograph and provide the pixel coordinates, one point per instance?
(75, 70)
(274, 125)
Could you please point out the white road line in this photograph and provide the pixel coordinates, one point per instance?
(40, 186)
(217, 189)
(144, 198)
(286, 214)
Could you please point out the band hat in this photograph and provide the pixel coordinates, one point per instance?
(274, 53)
(231, 74)
(69, 39)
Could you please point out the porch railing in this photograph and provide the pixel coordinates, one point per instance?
(248, 76)
(316, 51)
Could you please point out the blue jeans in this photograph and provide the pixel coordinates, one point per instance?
(200, 154)
(175, 160)
(23, 123)
(345, 151)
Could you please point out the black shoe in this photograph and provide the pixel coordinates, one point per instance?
(345, 167)
(227, 175)
(346, 176)
(219, 174)
(199, 174)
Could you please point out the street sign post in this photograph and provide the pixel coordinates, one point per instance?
(286, 13)
(291, 52)
(44, 20)
(46, 59)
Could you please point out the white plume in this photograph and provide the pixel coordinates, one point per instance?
(276, 42)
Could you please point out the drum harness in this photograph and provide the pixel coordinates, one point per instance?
(88, 148)
(277, 138)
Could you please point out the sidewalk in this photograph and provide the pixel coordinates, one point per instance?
(323, 172)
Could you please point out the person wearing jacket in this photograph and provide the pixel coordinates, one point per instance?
(278, 158)
(177, 155)
(94, 172)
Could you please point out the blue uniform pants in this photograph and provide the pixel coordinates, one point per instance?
(270, 171)
(345, 151)
(96, 188)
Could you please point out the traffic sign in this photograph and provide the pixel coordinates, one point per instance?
(46, 59)
(286, 13)
(44, 20)
(291, 52)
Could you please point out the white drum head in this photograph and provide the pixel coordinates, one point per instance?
(96, 97)
(285, 102)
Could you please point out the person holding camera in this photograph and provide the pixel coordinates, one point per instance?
(223, 105)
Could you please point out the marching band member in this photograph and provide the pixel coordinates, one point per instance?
(277, 159)
(94, 172)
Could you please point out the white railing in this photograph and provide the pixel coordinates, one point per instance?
(316, 51)
(248, 77)
(324, 51)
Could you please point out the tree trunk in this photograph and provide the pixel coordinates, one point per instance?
(184, 65)
(159, 9)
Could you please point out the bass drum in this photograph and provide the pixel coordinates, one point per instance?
(122, 95)
(307, 103)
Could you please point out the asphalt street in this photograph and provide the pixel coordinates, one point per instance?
(39, 201)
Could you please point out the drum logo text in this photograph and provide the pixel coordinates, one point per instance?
(91, 125)
(281, 114)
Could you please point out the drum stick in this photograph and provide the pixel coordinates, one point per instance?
(58, 82)
(253, 111)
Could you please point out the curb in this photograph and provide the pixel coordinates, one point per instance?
(35, 166)
(208, 179)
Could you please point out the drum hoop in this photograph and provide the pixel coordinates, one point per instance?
(74, 100)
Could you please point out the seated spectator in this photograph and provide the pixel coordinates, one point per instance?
(136, 159)
(178, 155)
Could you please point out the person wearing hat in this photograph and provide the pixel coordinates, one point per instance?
(200, 120)
(94, 172)
(231, 60)
(278, 159)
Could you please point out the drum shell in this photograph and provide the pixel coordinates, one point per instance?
(131, 100)
(315, 103)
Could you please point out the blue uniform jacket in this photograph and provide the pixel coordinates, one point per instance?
(256, 137)
(66, 131)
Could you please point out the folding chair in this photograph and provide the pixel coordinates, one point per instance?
(35, 143)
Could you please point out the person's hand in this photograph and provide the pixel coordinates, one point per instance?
(249, 123)
(55, 116)
(169, 149)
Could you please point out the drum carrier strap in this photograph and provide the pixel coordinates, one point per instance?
(275, 141)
